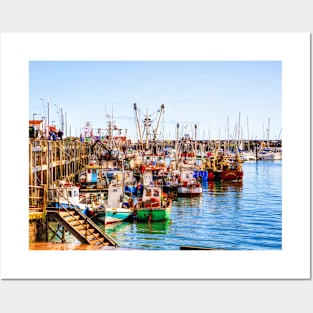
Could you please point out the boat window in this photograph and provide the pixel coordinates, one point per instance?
(70, 193)
(148, 192)
(156, 193)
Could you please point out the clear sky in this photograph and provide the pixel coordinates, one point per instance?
(215, 95)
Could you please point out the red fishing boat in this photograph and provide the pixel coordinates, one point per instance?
(224, 168)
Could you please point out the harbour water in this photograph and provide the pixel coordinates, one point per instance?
(243, 215)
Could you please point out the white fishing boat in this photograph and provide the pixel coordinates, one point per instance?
(117, 208)
(247, 156)
(188, 185)
(270, 155)
(66, 195)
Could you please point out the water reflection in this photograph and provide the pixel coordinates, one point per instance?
(161, 227)
(218, 188)
(114, 227)
(134, 234)
(138, 227)
(187, 202)
(139, 234)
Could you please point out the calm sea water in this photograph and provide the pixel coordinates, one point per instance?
(233, 215)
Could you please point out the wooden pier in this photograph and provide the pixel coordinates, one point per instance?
(49, 162)
(55, 160)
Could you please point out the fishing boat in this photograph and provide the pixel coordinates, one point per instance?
(183, 183)
(66, 195)
(117, 208)
(154, 206)
(224, 168)
(248, 156)
(268, 154)
(89, 176)
(153, 173)
(187, 185)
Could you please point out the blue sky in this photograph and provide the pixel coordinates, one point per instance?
(211, 94)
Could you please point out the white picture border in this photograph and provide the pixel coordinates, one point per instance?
(292, 262)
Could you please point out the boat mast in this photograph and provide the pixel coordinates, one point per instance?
(176, 144)
(158, 123)
(147, 123)
(49, 146)
(248, 134)
(268, 133)
(195, 145)
(238, 141)
(228, 146)
(138, 124)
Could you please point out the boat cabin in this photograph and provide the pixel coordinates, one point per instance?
(64, 194)
(115, 196)
(151, 196)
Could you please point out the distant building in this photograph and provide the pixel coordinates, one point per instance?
(42, 128)
(38, 123)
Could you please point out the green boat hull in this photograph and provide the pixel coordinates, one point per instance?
(157, 214)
